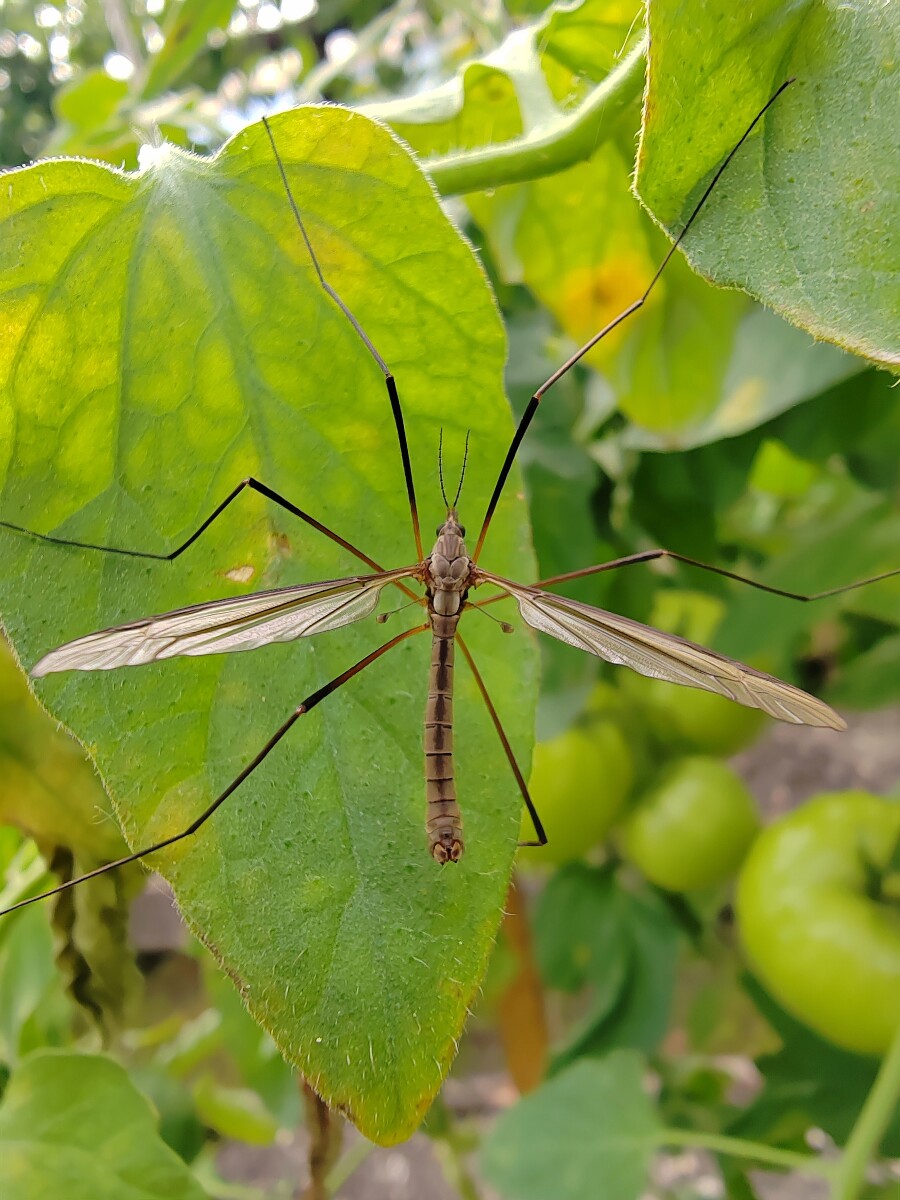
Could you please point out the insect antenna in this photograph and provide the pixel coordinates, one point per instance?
(535, 400)
(462, 473)
(389, 380)
(441, 465)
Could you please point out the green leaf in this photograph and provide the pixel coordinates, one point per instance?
(171, 1098)
(481, 105)
(95, 119)
(26, 977)
(580, 241)
(93, 948)
(166, 337)
(522, 84)
(753, 367)
(76, 1120)
(49, 789)
(234, 1112)
(738, 1185)
(642, 1008)
(254, 1054)
(779, 472)
(696, 364)
(527, 97)
(862, 541)
(578, 928)
(47, 785)
(90, 100)
(807, 216)
(859, 418)
(872, 679)
(590, 38)
(593, 1122)
(678, 496)
(186, 28)
(590, 929)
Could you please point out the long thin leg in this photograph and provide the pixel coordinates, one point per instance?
(651, 555)
(535, 400)
(389, 381)
(645, 556)
(171, 555)
(507, 748)
(306, 706)
(255, 485)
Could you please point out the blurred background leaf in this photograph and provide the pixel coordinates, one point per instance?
(78, 1118)
(591, 1122)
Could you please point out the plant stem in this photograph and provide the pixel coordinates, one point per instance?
(450, 1145)
(548, 149)
(866, 1135)
(347, 1164)
(451, 1157)
(324, 1130)
(787, 1160)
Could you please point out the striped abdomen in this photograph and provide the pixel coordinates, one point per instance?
(444, 822)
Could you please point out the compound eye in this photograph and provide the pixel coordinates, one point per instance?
(462, 531)
(438, 530)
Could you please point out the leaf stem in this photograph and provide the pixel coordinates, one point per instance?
(347, 1164)
(546, 149)
(324, 1130)
(787, 1160)
(450, 1145)
(450, 1155)
(866, 1135)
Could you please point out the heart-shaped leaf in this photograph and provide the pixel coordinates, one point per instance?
(166, 336)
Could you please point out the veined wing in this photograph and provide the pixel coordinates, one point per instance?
(663, 655)
(223, 626)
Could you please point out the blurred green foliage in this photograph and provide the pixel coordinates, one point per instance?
(707, 424)
(58, 1112)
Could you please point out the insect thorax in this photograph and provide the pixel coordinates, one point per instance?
(449, 567)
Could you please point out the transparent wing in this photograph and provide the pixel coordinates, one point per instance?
(664, 656)
(223, 626)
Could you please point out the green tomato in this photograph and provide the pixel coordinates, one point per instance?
(579, 784)
(701, 721)
(692, 827)
(816, 934)
(607, 702)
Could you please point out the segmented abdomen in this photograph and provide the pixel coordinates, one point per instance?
(444, 822)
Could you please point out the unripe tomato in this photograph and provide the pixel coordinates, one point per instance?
(701, 721)
(579, 783)
(692, 827)
(608, 702)
(812, 923)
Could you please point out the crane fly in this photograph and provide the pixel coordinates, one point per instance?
(448, 575)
